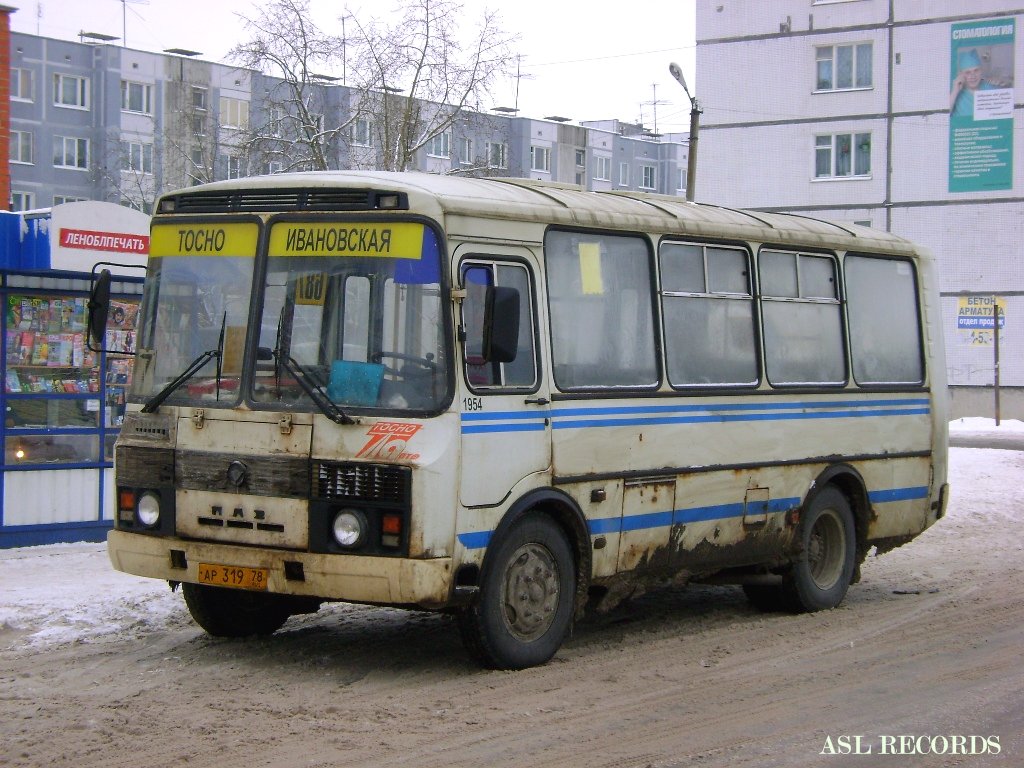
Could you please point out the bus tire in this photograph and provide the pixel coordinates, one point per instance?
(525, 606)
(234, 612)
(824, 568)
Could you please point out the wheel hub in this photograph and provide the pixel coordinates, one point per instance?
(531, 591)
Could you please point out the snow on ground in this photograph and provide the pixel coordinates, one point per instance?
(980, 425)
(69, 593)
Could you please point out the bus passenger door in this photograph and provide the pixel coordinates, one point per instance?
(503, 400)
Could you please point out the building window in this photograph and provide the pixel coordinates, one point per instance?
(234, 113)
(275, 166)
(681, 179)
(69, 152)
(198, 166)
(581, 158)
(496, 155)
(440, 145)
(21, 84)
(842, 155)
(466, 151)
(540, 159)
(61, 199)
(137, 157)
(361, 133)
(843, 67)
(275, 119)
(199, 101)
(198, 125)
(604, 169)
(21, 147)
(647, 177)
(22, 201)
(235, 167)
(623, 174)
(136, 97)
(71, 91)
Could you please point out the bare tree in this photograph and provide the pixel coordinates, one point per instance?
(414, 78)
(298, 124)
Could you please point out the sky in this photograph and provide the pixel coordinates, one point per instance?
(580, 59)
(68, 593)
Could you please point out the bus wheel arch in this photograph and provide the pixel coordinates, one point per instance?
(851, 484)
(532, 583)
(830, 544)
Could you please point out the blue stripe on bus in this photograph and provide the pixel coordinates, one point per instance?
(659, 415)
(475, 540)
(652, 520)
(898, 494)
(499, 415)
(706, 408)
(488, 428)
(724, 418)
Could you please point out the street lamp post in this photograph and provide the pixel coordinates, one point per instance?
(695, 112)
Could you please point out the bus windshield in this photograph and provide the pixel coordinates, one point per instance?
(355, 311)
(196, 308)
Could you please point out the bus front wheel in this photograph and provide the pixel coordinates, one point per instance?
(233, 612)
(525, 606)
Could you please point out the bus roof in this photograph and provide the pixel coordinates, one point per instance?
(528, 200)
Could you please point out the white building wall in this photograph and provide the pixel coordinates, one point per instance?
(756, 70)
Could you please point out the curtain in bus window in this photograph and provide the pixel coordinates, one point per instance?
(602, 332)
(885, 332)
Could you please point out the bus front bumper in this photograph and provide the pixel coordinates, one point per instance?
(352, 578)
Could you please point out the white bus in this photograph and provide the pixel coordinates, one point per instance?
(509, 399)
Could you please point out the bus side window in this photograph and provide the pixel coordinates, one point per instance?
(519, 373)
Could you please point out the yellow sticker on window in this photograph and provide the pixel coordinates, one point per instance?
(590, 269)
(394, 240)
(212, 239)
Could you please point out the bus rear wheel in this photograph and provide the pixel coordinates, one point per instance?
(234, 612)
(821, 575)
(525, 606)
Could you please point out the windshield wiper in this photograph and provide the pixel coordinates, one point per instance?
(193, 368)
(312, 387)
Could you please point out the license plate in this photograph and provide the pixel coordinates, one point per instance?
(236, 576)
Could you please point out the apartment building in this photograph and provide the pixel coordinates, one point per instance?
(94, 121)
(854, 111)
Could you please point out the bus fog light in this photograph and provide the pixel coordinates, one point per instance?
(349, 528)
(148, 510)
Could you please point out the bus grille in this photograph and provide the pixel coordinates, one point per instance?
(255, 200)
(377, 483)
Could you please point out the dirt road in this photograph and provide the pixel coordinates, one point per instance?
(927, 647)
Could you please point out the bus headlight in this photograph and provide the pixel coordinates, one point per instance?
(349, 528)
(148, 510)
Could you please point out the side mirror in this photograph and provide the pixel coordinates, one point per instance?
(99, 308)
(501, 325)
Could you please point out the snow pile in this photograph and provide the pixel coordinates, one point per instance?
(64, 593)
(978, 425)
